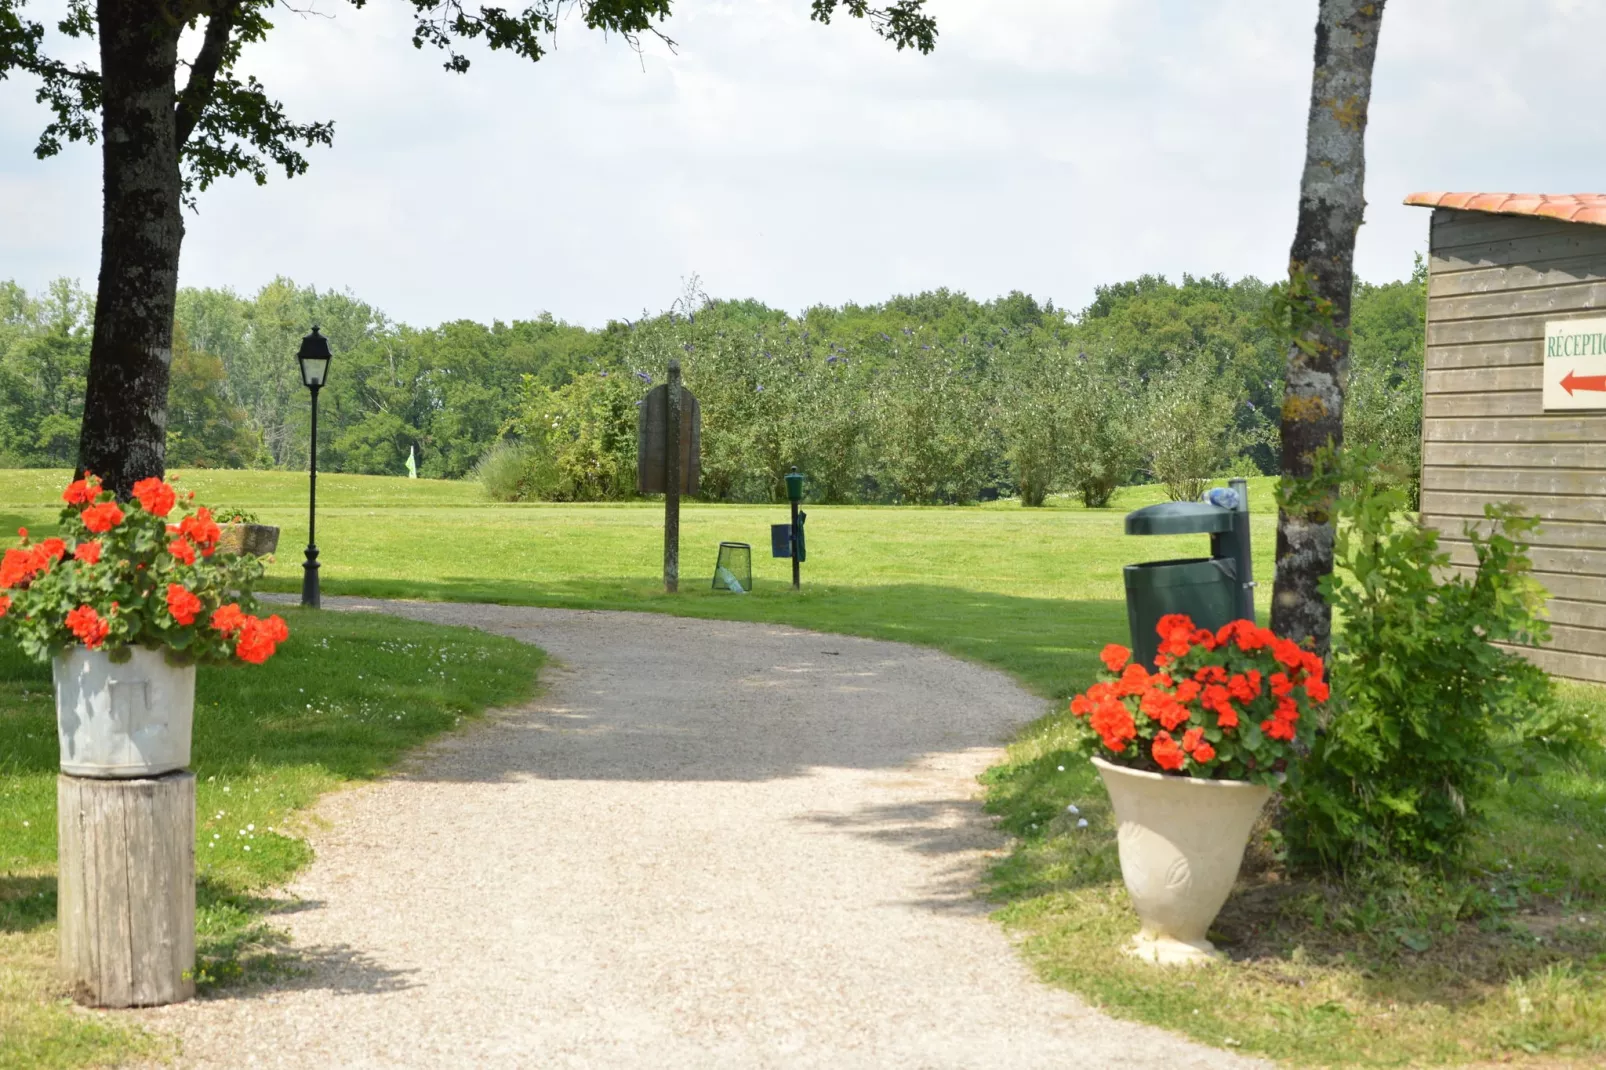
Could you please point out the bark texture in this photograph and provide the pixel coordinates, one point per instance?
(1321, 268)
(124, 435)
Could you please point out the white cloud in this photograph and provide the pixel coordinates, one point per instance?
(1047, 146)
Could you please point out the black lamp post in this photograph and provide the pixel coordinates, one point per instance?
(314, 360)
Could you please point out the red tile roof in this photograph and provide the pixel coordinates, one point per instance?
(1569, 207)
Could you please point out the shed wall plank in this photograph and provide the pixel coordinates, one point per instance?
(1534, 455)
(1455, 227)
(1506, 484)
(1550, 509)
(1506, 403)
(1483, 380)
(1544, 249)
(1560, 534)
(1486, 355)
(1559, 427)
(1529, 274)
(1545, 300)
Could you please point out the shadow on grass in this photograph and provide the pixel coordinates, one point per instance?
(238, 946)
(26, 903)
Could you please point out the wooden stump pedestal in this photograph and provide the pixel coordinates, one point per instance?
(126, 888)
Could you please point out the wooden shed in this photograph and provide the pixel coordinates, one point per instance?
(1514, 406)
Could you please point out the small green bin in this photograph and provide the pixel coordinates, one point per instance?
(1205, 588)
(1211, 590)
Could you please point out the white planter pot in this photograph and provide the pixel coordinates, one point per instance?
(1181, 843)
(123, 720)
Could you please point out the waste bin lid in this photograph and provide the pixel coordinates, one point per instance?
(1179, 518)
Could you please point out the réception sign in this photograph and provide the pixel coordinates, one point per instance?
(1575, 364)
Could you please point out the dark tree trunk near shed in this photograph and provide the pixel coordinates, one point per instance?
(1322, 276)
(124, 435)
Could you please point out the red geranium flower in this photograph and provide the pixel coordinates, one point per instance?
(88, 626)
(182, 603)
(182, 549)
(200, 530)
(259, 639)
(88, 552)
(1288, 652)
(21, 565)
(5, 604)
(53, 548)
(155, 496)
(1166, 752)
(1114, 724)
(228, 619)
(1115, 657)
(103, 517)
(81, 491)
(1203, 753)
(1134, 679)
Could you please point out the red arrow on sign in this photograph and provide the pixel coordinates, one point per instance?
(1583, 382)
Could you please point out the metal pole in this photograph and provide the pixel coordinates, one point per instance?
(672, 482)
(796, 576)
(1241, 551)
(309, 577)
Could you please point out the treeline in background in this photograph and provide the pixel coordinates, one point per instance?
(934, 398)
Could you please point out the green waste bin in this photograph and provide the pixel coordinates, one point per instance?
(1212, 590)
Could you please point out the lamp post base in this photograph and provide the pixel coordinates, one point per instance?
(309, 580)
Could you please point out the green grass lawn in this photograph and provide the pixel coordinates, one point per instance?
(1033, 591)
(1505, 962)
(340, 702)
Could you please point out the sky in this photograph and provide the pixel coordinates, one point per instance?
(1049, 146)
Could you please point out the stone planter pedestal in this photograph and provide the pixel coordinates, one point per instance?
(258, 540)
(1181, 843)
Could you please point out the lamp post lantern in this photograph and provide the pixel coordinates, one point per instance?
(314, 360)
(794, 494)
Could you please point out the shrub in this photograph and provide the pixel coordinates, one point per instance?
(1035, 390)
(932, 426)
(581, 437)
(1103, 426)
(504, 471)
(1192, 427)
(1422, 693)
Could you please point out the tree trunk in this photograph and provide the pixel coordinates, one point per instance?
(1331, 206)
(124, 433)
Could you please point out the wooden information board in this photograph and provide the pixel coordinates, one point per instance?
(651, 427)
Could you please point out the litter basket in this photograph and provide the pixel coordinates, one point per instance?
(1211, 590)
(733, 569)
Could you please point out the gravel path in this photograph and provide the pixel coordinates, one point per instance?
(706, 845)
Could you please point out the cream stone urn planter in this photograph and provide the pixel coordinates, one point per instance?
(1181, 841)
(120, 720)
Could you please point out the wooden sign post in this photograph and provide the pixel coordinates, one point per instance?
(672, 483)
(669, 414)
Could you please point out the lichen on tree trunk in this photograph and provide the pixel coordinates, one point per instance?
(1322, 276)
(124, 434)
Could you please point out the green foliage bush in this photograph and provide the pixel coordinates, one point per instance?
(580, 438)
(1383, 400)
(505, 471)
(932, 397)
(1423, 698)
(1191, 425)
